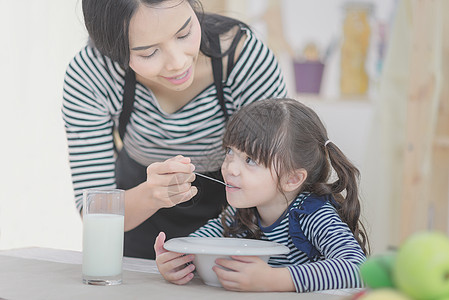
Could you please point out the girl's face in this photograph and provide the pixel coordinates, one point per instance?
(164, 43)
(254, 184)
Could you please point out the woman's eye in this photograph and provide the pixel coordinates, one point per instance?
(151, 55)
(185, 35)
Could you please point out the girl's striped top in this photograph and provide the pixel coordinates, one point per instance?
(92, 102)
(323, 251)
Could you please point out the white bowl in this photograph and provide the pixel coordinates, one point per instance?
(208, 249)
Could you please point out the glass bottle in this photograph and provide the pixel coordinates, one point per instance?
(354, 79)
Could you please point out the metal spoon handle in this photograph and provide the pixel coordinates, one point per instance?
(213, 179)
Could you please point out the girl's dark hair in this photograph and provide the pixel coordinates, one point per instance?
(107, 22)
(287, 135)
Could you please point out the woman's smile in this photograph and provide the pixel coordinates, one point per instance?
(181, 78)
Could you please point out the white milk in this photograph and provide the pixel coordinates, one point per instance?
(102, 244)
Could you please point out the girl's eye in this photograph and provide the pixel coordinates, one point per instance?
(228, 151)
(151, 55)
(250, 161)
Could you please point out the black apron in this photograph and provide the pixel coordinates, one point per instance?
(176, 221)
(181, 219)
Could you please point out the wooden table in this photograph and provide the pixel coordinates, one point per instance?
(42, 273)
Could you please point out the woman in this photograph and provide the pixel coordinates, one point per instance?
(167, 76)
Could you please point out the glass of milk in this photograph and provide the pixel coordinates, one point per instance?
(103, 231)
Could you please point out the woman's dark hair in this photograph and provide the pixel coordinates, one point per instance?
(107, 22)
(286, 135)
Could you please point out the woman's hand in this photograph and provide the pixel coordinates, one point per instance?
(169, 182)
(172, 265)
(252, 274)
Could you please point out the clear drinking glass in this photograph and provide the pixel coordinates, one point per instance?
(103, 232)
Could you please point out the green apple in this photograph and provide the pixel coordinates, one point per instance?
(421, 269)
(377, 271)
(384, 294)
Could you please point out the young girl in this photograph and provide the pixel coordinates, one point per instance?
(279, 161)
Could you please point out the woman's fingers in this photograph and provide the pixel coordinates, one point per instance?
(178, 164)
(177, 198)
(169, 182)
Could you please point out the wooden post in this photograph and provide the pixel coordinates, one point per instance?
(417, 210)
(439, 179)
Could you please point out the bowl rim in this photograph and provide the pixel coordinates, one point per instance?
(193, 245)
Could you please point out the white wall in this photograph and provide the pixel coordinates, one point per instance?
(36, 202)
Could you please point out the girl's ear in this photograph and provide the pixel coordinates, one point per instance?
(295, 180)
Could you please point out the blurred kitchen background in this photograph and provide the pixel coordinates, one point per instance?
(375, 71)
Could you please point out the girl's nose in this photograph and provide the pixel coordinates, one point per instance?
(231, 167)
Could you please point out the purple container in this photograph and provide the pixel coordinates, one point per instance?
(308, 75)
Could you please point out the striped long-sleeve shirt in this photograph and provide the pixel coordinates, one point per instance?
(92, 103)
(323, 251)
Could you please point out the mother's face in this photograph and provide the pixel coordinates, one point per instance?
(164, 44)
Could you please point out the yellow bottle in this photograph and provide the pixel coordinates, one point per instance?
(356, 31)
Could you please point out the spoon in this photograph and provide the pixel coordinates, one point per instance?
(213, 179)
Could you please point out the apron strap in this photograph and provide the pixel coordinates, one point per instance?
(232, 48)
(217, 70)
(129, 91)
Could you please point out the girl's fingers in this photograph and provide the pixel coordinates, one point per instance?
(175, 267)
(237, 262)
(229, 264)
(159, 244)
(228, 279)
(181, 276)
(172, 261)
(230, 285)
(247, 259)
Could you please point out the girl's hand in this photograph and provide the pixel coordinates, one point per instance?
(172, 265)
(169, 182)
(252, 274)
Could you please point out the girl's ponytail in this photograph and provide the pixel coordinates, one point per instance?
(345, 192)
